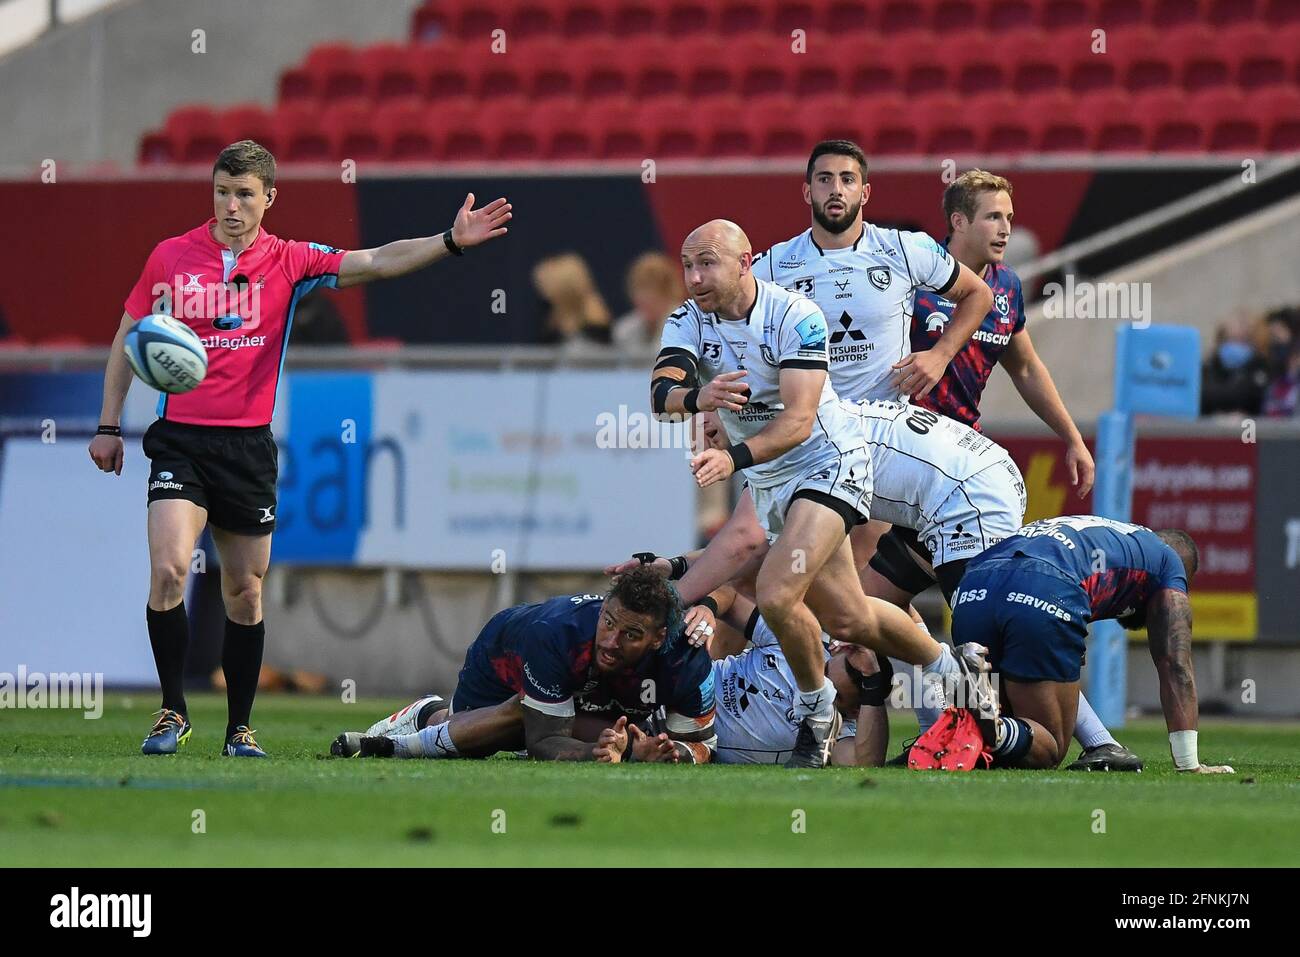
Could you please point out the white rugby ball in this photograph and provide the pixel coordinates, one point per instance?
(166, 354)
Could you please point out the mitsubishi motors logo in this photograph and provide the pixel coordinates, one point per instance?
(857, 335)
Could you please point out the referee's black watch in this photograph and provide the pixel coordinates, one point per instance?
(451, 244)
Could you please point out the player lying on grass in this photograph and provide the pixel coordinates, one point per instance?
(754, 720)
(534, 669)
(1029, 600)
(803, 455)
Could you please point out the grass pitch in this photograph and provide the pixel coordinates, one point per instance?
(78, 793)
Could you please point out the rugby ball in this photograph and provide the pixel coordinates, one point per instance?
(166, 354)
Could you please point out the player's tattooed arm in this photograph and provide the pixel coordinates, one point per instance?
(1169, 636)
(549, 737)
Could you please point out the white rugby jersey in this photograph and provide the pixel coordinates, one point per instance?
(782, 330)
(865, 291)
(919, 458)
(754, 695)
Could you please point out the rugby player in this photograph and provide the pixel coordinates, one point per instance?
(863, 278)
(535, 669)
(1029, 600)
(757, 354)
(755, 692)
(213, 458)
(978, 210)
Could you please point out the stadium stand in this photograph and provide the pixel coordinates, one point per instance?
(1174, 76)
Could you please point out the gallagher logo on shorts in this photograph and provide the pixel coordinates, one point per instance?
(164, 480)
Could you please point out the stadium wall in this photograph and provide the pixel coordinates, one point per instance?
(72, 97)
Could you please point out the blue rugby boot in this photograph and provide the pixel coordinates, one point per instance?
(241, 744)
(170, 731)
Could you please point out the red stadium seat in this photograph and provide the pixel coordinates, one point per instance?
(458, 130)
(1175, 124)
(1006, 16)
(428, 23)
(619, 132)
(532, 18)
(450, 71)
(1005, 127)
(1204, 63)
(891, 123)
(847, 16)
(250, 121)
(510, 129)
(1231, 124)
(157, 149)
(874, 65)
(470, 19)
(980, 68)
(661, 68)
(933, 67)
(782, 128)
(1177, 13)
(392, 70)
(670, 129)
(195, 132)
(744, 16)
(633, 18)
(500, 76)
(543, 64)
(945, 126)
(729, 133)
(768, 66)
(303, 134)
(834, 116)
(1223, 13)
(1066, 14)
(1263, 57)
(823, 68)
(603, 71)
(565, 130)
(791, 15)
(959, 16)
(1280, 110)
(1113, 14)
(904, 16)
(1277, 12)
(335, 71)
(405, 130)
(1150, 69)
(297, 85)
(587, 18)
(1116, 124)
(708, 66)
(1053, 116)
(684, 18)
(351, 132)
(1093, 72)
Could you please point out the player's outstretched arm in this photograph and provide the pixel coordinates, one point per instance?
(107, 451)
(1169, 635)
(471, 228)
(549, 737)
(916, 374)
(1030, 376)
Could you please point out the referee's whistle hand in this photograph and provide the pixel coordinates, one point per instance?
(106, 451)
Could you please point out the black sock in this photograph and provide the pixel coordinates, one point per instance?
(169, 633)
(241, 662)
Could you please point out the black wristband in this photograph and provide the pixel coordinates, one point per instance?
(710, 603)
(678, 568)
(109, 430)
(741, 457)
(691, 401)
(451, 244)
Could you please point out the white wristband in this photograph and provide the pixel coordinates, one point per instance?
(1183, 746)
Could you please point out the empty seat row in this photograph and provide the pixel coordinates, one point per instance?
(1194, 58)
(678, 18)
(567, 129)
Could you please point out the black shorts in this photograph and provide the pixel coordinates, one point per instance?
(228, 470)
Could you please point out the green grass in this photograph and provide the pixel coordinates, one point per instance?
(77, 792)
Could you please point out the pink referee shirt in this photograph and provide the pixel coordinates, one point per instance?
(241, 307)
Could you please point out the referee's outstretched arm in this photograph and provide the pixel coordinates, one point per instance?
(472, 227)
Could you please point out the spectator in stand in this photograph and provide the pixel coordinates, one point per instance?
(655, 288)
(577, 318)
(1283, 395)
(1235, 376)
(317, 322)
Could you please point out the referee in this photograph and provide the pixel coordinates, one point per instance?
(213, 458)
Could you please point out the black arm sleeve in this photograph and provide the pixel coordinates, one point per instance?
(674, 369)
